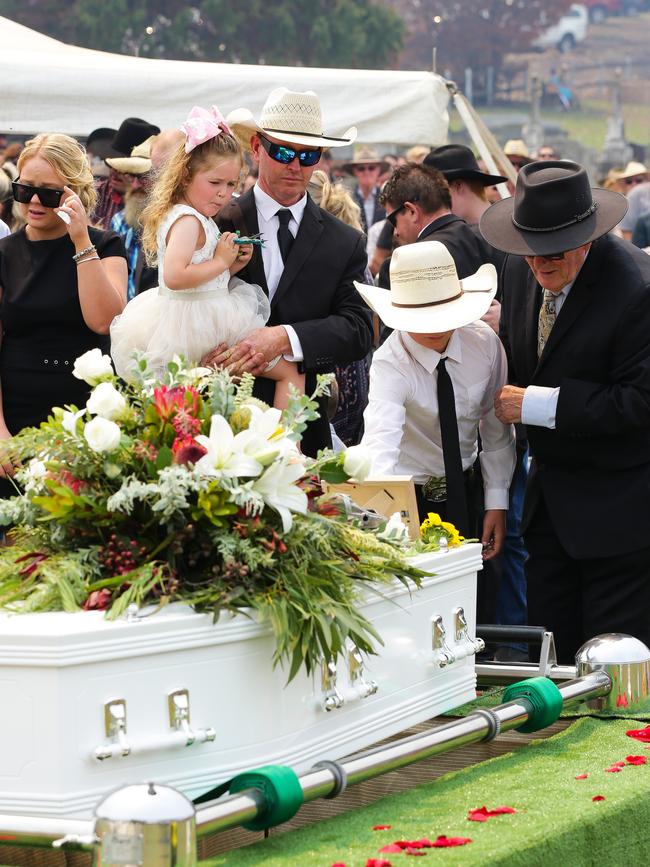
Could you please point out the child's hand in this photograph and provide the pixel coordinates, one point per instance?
(244, 255)
(226, 251)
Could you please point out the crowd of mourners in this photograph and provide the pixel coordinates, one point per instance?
(489, 338)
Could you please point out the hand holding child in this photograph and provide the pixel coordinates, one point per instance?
(244, 254)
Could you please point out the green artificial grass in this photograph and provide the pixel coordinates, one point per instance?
(556, 825)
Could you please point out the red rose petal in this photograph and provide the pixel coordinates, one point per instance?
(640, 734)
(443, 842)
(618, 764)
(613, 770)
(338, 864)
(381, 827)
(621, 700)
(482, 814)
(414, 852)
(636, 760)
(598, 798)
(391, 848)
(582, 776)
(378, 862)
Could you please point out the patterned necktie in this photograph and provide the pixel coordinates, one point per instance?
(547, 317)
(455, 481)
(285, 238)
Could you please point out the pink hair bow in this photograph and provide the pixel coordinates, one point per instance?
(202, 125)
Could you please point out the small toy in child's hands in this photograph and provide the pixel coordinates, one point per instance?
(258, 242)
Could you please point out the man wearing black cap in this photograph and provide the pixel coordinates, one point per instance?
(575, 323)
(110, 191)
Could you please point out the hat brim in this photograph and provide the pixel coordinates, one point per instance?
(497, 227)
(478, 292)
(130, 165)
(349, 167)
(471, 175)
(244, 125)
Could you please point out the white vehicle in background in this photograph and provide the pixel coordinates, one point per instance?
(568, 32)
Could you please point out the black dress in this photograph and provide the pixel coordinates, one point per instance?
(43, 327)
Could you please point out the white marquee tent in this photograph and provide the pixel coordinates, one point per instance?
(50, 86)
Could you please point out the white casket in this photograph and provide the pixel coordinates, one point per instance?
(89, 705)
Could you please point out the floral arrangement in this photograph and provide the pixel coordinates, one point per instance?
(436, 533)
(189, 489)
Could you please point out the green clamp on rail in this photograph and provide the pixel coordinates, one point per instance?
(543, 697)
(283, 795)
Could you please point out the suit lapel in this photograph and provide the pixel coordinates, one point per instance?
(311, 228)
(573, 306)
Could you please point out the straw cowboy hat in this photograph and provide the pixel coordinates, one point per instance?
(631, 170)
(515, 148)
(365, 156)
(457, 162)
(139, 163)
(426, 296)
(554, 209)
(290, 116)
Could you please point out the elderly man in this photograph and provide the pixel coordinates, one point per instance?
(367, 167)
(310, 259)
(575, 324)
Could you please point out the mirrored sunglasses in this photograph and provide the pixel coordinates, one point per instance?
(48, 197)
(285, 155)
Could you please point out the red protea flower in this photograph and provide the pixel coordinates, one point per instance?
(187, 450)
(169, 401)
(66, 478)
(99, 600)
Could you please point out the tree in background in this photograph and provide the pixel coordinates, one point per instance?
(472, 33)
(332, 33)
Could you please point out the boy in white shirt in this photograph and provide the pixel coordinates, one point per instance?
(435, 380)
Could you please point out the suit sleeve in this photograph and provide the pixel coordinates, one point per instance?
(623, 402)
(504, 333)
(346, 333)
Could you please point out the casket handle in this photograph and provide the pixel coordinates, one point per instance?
(361, 686)
(468, 646)
(442, 653)
(333, 698)
(115, 728)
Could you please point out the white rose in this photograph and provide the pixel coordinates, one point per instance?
(102, 435)
(357, 463)
(106, 401)
(395, 530)
(92, 366)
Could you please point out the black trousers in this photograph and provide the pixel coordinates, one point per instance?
(579, 599)
(489, 578)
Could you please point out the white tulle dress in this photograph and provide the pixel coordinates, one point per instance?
(163, 322)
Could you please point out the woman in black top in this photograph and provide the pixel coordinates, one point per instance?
(61, 284)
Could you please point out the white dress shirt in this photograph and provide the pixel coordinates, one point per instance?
(539, 406)
(269, 224)
(402, 427)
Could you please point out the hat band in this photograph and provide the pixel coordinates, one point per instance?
(444, 301)
(577, 219)
(306, 134)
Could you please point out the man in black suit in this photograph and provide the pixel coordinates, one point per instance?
(418, 205)
(309, 260)
(576, 326)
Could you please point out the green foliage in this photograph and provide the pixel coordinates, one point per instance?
(331, 33)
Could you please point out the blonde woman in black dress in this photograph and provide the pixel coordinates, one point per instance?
(61, 282)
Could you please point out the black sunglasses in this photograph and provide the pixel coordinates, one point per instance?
(48, 197)
(392, 217)
(283, 154)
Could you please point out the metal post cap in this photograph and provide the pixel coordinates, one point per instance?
(612, 648)
(147, 803)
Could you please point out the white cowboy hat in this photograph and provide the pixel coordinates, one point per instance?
(426, 296)
(139, 163)
(290, 116)
(631, 170)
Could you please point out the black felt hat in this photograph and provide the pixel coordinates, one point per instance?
(554, 209)
(132, 132)
(457, 162)
(100, 141)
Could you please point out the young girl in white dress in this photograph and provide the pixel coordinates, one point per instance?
(197, 305)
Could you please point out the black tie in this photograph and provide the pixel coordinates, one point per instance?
(285, 238)
(456, 498)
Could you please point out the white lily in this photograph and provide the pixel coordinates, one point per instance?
(278, 491)
(225, 457)
(267, 439)
(69, 420)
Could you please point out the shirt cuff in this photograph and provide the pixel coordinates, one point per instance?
(296, 346)
(540, 406)
(496, 498)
